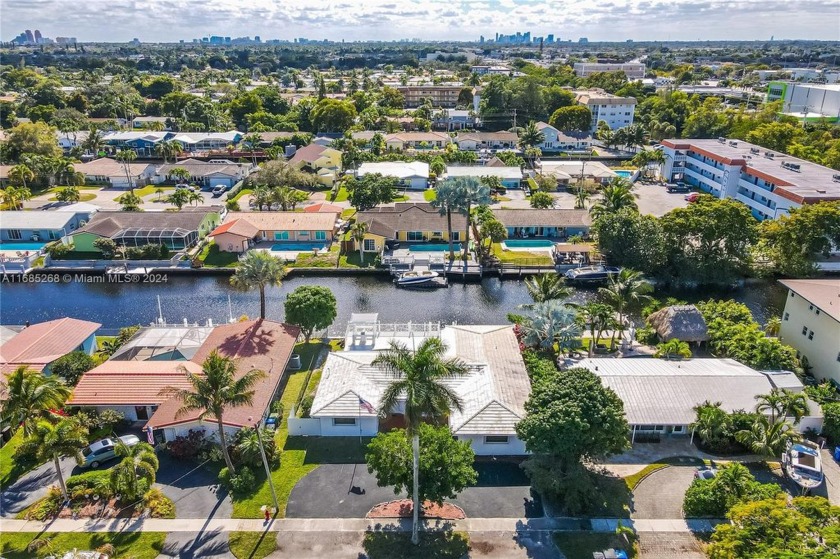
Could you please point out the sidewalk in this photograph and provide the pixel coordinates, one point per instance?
(354, 525)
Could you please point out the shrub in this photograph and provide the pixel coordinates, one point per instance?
(247, 447)
(187, 448)
(538, 365)
(714, 497)
(277, 407)
(72, 366)
(58, 250)
(48, 507)
(106, 246)
(93, 482)
(240, 484)
(306, 405)
(109, 419)
(159, 505)
(211, 453)
(831, 421)
(703, 499)
(233, 206)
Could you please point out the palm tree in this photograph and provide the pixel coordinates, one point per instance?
(418, 380)
(627, 289)
(581, 196)
(773, 326)
(252, 142)
(14, 196)
(54, 441)
(193, 196)
(135, 473)
(779, 404)
(446, 201)
(470, 193)
(358, 231)
(767, 438)
(734, 479)
(712, 421)
(180, 173)
(546, 287)
(179, 198)
(164, 149)
(68, 194)
(552, 322)
(214, 391)
(93, 142)
(130, 202)
(598, 317)
(20, 174)
(530, 136)
(30, 396)
(616, 195)
(126, 156)
(673, 348)
(259, 269)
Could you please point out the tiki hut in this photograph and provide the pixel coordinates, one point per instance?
(681, 322)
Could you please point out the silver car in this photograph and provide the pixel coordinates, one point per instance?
(104, 450)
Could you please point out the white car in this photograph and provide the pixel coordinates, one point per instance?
(705, 473)
(104, 450)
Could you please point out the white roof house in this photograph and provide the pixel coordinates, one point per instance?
(413, 174)
(510, 176)
(493, 392)
(565, 170)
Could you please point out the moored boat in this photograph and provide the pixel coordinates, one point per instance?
(591, 273)
(802, 464)
(416, 277)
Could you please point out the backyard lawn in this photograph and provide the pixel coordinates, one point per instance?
(521, 257)
(139, 545)
(342, 195)
(212, 256)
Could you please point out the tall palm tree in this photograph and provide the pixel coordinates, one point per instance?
(135, 473)
(447, 198)
(30, 396)
(94, 141)
(779, 404)
(626, 289)
(126, 156)
(14, 196)
(418, 380)
(773, 326)
(20, 174)
(214, 391)
(530, 136)
(252, 142)
(616, 195)
(546, 287)
(767, 438)
(358, 231)
(598, 317)
(54, 441)
(180, 173)
(470, 193)
(259, 269)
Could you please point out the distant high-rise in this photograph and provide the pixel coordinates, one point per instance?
(549, 38)
(583, 41)
(481, 39)
(38, 36)
(30, 38)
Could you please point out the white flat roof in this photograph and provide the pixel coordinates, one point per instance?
(399, 169)
(36, 219)
(480, 171)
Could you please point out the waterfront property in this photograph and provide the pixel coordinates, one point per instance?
(551, 223)
(241, 230)
(660, 395)
(177, 230)
(493, 391)
(37, 346)
(572, 172)
(511, 177)
(811, 324)
(22, 227)
(768, 182)
(408, 222)
(208, 174)
(159, 357)
(110, 172)
(412, 175)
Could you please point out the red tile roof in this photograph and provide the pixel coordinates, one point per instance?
(307, 154)
(323, 207)
(43, 343)
(131, 383)
(255, 344)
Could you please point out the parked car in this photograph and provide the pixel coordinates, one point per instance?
(105, 449)
(705, 473)
(186, 186)
(692, 197)
(679, 187)
(219, 190)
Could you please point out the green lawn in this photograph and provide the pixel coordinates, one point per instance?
(433, 545)
(150, 189)
(342, 195)
(633, 480)
(252, 545)
(348, 213)
(242, 193)
(10, 470)
(353, 260)
(430, 195)
(139, 545)
(83, 197)
(403, 198)
(521, 257)
(581, 545)
(212, 256)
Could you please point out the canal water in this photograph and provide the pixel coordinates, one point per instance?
(199, 298)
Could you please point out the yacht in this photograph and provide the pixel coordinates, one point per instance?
(416, 277)
(803, 465)
(591, 273)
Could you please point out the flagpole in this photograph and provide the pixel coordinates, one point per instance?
(360, 420)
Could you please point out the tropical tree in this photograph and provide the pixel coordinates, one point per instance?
(551, 322)
(194, 197)
(673, 348)
(311, 308)
(180, 173)
(258, 269)
(130, 202)
(215, 390)
(779, 404)
(546, 287)
(542, 200)
(135, 473)
(712, 423)
(358, 231)
(530, 136)
(252, 142)
(54, 441)
(627, 289)
(447, 198)
(14, 196)
(30, 396)
(615, 196)
(126, 156)
(20, 174)
(582, 195)
(167, 148)
(767, 438)
(94, 141)
(470, 193)
(418, 381)
(179, 198)
(773, 326)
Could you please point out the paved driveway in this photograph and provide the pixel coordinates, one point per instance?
(660, 495)
(195, 545)
(195, 491)
(34, 485)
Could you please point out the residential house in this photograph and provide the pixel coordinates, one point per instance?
(39, 227)
(476, 141)
(417, 140)
(552, 223)
(811, 324)
(209, 174)
(39, 345)
(255, 344)
(660, 395)
(454, 119)
(112, 173)
(551, 140)
(616, 111)
(324, 207)
(70, 140)
(408, 222)
(493, 392)
(571, 172)
(511, 177)
(412, 175)
(143, 143)
(324, 161)
(308, 227)
(237, 235)
(143, 122)
(177, 230)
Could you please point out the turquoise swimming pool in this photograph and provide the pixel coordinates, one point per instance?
(30, 246)
(527, 243)
(433, 247)
(297, 247)
(624, 174)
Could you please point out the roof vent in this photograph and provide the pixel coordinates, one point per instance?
(733, 144)
(769, 154)
(791, 166)
(755, 150)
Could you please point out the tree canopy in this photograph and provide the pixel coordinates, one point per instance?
(311, 307)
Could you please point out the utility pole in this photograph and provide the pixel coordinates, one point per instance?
(514, 118)
(267, 469)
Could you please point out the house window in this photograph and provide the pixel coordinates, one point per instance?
(838, 356)
(281, 235)
(496, 439)
(320, 235)
(811, 335)
(415, 235)
(14, 234)
(370, 245)
(678, 429)
(339, 421)
(787, 315)
(817, 312)
(53, 235)
(437, 233)
(804, 330)
(810, 307)
(456, 236)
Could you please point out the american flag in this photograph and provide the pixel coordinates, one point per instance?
(365, 404)
(149, 436)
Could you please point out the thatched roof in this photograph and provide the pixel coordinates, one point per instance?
(683, 322)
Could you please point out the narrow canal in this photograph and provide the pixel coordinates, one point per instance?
(198, 299)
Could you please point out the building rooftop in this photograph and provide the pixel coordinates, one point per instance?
(408, 216)
(599, 97)
(808, 184)
(572, 169)
(822, 293)
(545, 218)
(285, 221)
(169, 342)
(37, 220)
(131, 383)
(504, 173)
(109, 223)
(107, 167)
(42, 343)
(399, 169)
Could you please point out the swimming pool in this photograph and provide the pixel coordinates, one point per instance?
(433, 247)
(624, 174)
(297, 247)
(527, 243)
(31, 246)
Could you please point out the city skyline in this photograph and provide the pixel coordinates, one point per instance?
(388, 20)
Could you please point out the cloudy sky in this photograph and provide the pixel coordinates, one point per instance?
(606, 20)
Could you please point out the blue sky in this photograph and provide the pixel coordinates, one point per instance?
(618, 20)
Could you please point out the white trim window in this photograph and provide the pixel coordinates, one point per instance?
(369, 245)
(343, 421)
(496, 439)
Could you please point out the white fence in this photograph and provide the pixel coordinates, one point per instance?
(303, 426)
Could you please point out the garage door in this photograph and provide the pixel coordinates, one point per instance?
(219, 181)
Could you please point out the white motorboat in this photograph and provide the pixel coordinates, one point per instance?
(587, 274)
(803, 465)
(416, 277)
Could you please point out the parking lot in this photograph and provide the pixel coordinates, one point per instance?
(654, 199)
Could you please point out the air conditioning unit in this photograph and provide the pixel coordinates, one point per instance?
(769, 154)
(835, 177)
(722, 140)
(733, 144)
(755, 150)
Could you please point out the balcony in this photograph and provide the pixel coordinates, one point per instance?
(754, 187)
(754, 204)
(706, 167)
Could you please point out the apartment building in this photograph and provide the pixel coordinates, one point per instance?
(805, 101)
(616, 111)
(769, 182)
(633, 70)
(445, 96)
(811, 324)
